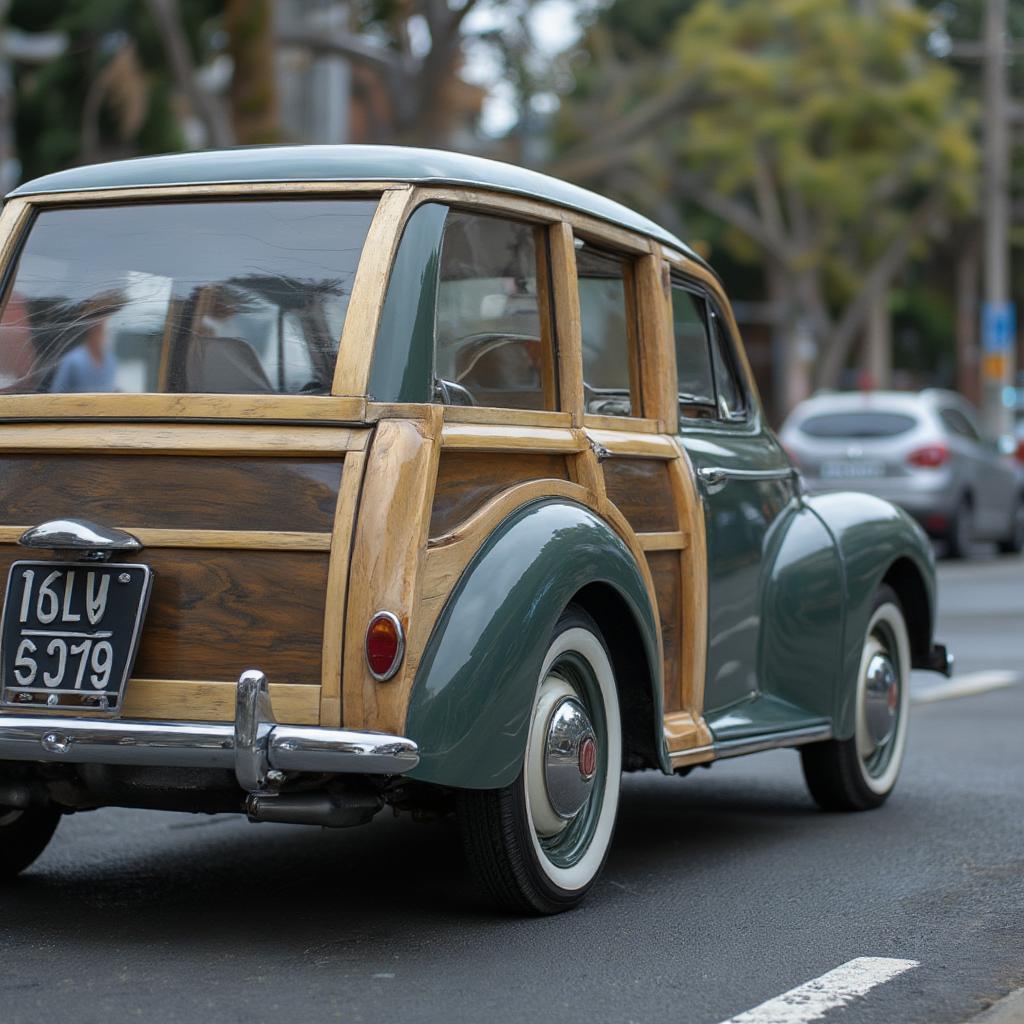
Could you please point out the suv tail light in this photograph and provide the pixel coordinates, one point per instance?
(931, 456)
(385, 645)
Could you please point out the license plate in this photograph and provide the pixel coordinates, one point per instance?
(852, 470)
(70, 633)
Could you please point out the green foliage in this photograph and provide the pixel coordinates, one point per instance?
(821, 135)
(50, 98)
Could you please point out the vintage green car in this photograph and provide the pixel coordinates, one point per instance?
(341, 477)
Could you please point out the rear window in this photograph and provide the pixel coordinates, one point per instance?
(243, 297)
(858, 424)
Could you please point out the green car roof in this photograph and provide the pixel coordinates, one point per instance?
(343, 163)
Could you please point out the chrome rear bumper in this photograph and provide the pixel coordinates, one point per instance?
(252, 746)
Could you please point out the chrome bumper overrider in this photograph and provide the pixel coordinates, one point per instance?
(252, 746)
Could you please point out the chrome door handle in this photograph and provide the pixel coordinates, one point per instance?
(713, 478)
(80, 538)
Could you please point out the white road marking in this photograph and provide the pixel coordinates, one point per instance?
(967, 685)
(836, 988)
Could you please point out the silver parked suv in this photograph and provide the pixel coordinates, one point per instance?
(924, 452)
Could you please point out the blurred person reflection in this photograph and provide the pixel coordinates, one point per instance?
(90, 367)
(17, 353)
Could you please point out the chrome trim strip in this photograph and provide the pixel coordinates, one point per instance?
(251, 746)
(773, 741)
(752, 474)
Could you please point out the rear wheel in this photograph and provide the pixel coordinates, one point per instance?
(960, 536)
(538, 845)
(1013, 543)
(860, 773)
(23, 837)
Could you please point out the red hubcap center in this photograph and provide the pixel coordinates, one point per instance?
(588, 757)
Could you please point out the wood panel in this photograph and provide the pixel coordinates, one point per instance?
(172, 491)
(665, 571)
(213, 614)
(467, 480)
(188, 700)
(153, 438)
(642, 490)
(388, 548)
(241, 408)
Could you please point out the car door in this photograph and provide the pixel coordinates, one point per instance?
(991, 479)
(746, 484)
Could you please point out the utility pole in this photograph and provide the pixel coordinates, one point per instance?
(998, 322)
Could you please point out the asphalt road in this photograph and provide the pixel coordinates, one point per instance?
(723, 890)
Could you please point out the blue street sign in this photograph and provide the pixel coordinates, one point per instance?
(998, 326)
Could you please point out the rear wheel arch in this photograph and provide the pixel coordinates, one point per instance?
(475, 684)
(634, 678)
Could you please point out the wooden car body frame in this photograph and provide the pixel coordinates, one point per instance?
(424, 488)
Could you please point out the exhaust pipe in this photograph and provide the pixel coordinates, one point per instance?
(331, 810)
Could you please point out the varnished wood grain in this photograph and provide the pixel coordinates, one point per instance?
(568, 322)
(188, 700)
(240, 408)
(387, 550)
(172, 492)
(213, 614)
(352, 372)
(236, 540)
(337, 589)
(495, 438)
(665, 571)
(153, 438)
(642, 491)
(466, 480)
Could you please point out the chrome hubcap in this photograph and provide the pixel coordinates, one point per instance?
(570, 758)
(881, 702)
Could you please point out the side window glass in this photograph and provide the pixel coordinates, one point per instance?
(693, 354)
(957, 423)
(605, 311)
(732, 403)
(493, 341)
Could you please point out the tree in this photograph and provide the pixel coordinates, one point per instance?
(112, 93)
(821, 136)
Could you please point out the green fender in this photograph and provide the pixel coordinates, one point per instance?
(876, 541)
(474, 689)
(801, 636)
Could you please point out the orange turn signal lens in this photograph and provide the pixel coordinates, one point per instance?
(385, 645)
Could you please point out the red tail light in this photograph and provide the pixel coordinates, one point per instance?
(931, 456)
(385, 645)
(1020, 451)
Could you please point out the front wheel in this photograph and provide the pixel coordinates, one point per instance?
(23, 837)
(538, 845)
(860, 773)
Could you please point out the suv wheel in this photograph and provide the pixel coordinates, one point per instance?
(960, 536)
(1014, 543)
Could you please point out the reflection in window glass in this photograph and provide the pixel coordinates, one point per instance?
(603, 312)
(218, 297)
(693, 357)
(490, 349)
(730, 394)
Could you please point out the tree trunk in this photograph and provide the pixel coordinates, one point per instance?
(207, 108)
(254, 106)
(968, 270)
(878, 344)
